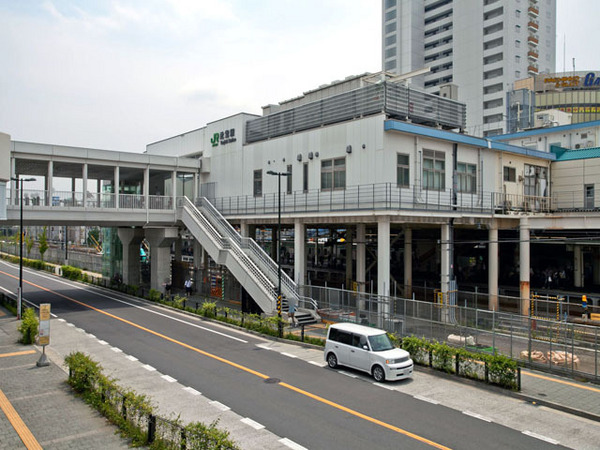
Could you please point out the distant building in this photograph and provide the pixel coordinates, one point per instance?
(480, 46)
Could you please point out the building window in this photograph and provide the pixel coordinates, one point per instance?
(305, 177)
(390, 40)
(390, 65)
(466, 177)
(390, 4)
(434, 170)
(517, 13)
(390, 52)
(536, 181)
(333, 174)
(403, 171)
(517, 28)
(518, 43)
(390, 15)
(517, 74)
(289, 179)
(518, 59)
(257, 183)
(510, 174)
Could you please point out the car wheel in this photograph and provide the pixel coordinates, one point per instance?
(378, 374)
(332, 360)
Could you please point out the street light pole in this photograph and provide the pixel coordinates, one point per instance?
(20, 288)
(279, 175)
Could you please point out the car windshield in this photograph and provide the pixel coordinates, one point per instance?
(380, 343)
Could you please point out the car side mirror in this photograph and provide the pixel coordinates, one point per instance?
(365, 347)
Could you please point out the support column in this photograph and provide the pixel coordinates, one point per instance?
(178, 248)
(445, 260)
(383, 258)
(49, 180)
(244, 228)
(349, 240)
(117, 188)
(160, 240)
(146, 187)
(524, 266)
(578, 271)
(174, 185)
(131, 238)
(408, 262)
(299, 252)
(596, 265)
(493, 267)
(84, 179)
(361, 256)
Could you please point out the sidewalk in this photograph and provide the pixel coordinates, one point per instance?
(57, 419)
(43, 410)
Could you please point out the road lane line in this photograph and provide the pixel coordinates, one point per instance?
(101, 342)
(252, 423)
(24, 352)
(148, 367)
(291, 444)
(251, 371)
(131, 358)
(116, 350)
(191, 390)
(176, 319)
(168, 378)
(317, 363)
(568, 383)
(219, 405)
(17, 423)
(540, 437)
(425, 399)
(477, 416)
(385, 386)
(289, 355)
(363, 416)
(348, 374)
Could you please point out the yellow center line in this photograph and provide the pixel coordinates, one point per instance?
(568, 383)
(248, 370)
(13, 417)
(24, 352)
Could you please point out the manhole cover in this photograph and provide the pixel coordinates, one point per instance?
(272, 380)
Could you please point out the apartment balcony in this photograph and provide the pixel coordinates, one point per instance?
(532, 55)
(533, 11)
(533, 26)
(532, 70)
(533, 40)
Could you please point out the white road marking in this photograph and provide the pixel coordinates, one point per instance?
(191, 390)
(131, 358)
(116, 350)
(101, 342)
(264, 346)
(318, 363)
(148, 367)
(61, 320)
(168, 378)
(91, 335)
(252, 423)
(102, 294)
(477, 416)
(69, 324)
(291, 444)
(220, 405)
(351, 375)
(81, 330)
(540, 437)
(385, 386)
(425, 399)
(289, 355)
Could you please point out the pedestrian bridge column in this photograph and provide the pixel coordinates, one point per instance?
(445, 260)
(408, 262)
(160, 240)
(131, 238)
(578, 268)
(493, 268)
(524, 266)
(361, 258)
(299, 252)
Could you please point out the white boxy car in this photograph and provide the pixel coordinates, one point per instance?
(367, 349)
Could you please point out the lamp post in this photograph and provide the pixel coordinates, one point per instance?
(279, 175)
(20, 288)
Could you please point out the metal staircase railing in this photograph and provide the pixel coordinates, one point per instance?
(229, 244)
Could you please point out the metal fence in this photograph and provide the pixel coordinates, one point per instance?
(547, 344)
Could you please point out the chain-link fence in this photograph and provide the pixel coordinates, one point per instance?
(541, 342)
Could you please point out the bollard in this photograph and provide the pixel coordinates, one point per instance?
(184, 303)
(457, 363)
(151, 428)
(183, 439)
(430, 358)
(196, 306)
(302, 333)
(487, 373)
(519, 379)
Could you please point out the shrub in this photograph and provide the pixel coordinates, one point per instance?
(29, 326)
(209, 309)
(72, 273)
(154, 295)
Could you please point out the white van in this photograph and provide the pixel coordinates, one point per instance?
(367, 349)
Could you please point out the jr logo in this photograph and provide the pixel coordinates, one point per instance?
(215, 140)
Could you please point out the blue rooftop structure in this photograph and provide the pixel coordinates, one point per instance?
(565, 154)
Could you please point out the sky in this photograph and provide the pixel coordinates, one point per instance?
(120, 74)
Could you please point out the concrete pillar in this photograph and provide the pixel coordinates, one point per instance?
(299, 252)
(146, 187)
(361, 256)
(49, 180)
(524, 266)
(131, 238)
(445, 260)
(244, 229)
(198, 255)
(196, 187)
(493, 267)
(174, 184)
(178, 248)
(408, 262)
(578, 271)
(596, 265)
(160, 240)
(383, 258)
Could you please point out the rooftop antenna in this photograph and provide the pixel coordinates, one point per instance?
(564, 51)
(573, 65)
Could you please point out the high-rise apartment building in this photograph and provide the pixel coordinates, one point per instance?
(481, 46)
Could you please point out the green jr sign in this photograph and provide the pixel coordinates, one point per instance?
(224, 137)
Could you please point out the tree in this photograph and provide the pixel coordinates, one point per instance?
(43, 242)
(28, 244)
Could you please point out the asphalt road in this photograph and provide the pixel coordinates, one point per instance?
(315, 406)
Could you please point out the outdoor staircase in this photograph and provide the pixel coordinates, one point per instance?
(244, 258)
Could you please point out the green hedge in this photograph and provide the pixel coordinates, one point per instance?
(134, 413)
